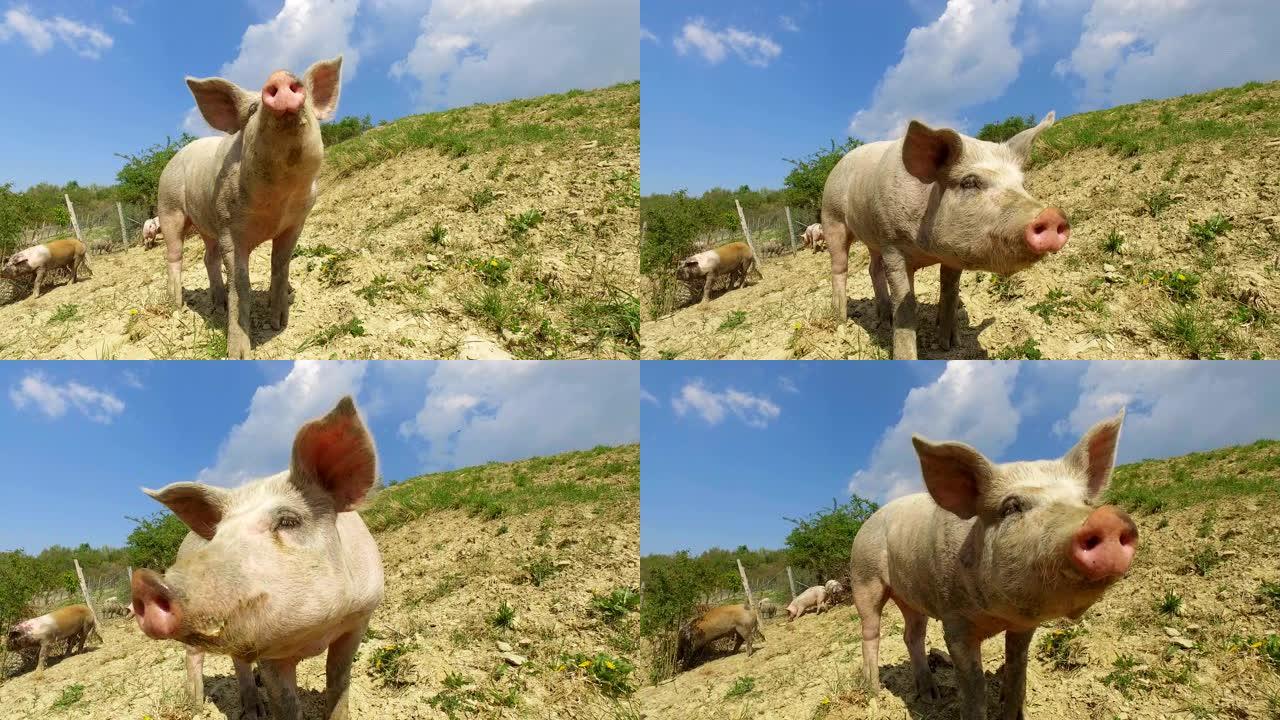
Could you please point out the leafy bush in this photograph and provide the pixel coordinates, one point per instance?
(820, 543)
(154, 542)
(1007, 128)
(332, 133)
(139, 178)
(808, 175)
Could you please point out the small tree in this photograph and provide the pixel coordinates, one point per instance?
(348, 127)
(154, 542)
(1007, 128)
(808, 175)
(821, 542)
(140, 177)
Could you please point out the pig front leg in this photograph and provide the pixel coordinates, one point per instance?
(966, 655)
(39, 281)
(281, 678)
(902, 295)
(281, 255)
(948, 337)
(195, 676)
(337, 674)
(213, 266)
(880, 285)
(251, 707)
(706, 287)
(1014, 690)
(235, 258)
(913, 635)
(44, 653)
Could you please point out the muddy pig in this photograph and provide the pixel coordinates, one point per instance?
(274, 571)
(834, 590)
(934, 197)
(768, 608)
(253, 185)
(813, 238)
(150, 232)
(73, 623)
(63, 253)
(815, 598)
(712, 625)
(733, 260)
(991, 548)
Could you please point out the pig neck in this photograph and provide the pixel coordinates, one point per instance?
(278, 165)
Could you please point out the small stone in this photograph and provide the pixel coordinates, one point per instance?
(504, 647)
(1183, 643)
(514, 659)
(524, 642)
(1227, 553)
(1171, 632)
(1193, 628)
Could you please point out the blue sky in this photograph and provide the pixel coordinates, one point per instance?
(82, 437)
(730, 449)
(84, 80)
(729, 89)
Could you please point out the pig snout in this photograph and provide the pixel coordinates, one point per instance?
(1048, 232)
(158, 611)
(283, 94)
(1104, 545)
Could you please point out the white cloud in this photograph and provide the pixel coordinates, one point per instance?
(262, 443)
(713, 407)
(648, 397)
(715, 45)
(787, 384)
(302, 32)
(788, 23)
(131, 379)
(478, 412)
(52, 399)
(1136, 49)
(492, 50)
(1175, 408)
(964, 58)
(646, 35)
(39, 34)
(121, 15)
(971, 402)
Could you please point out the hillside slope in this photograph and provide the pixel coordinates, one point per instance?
(456, 546)
(1175, 252)
(1214, 511)
(516, 222)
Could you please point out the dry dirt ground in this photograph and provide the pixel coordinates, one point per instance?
(447, 573)
(811, 668)
(1087, 301)
(371, 277)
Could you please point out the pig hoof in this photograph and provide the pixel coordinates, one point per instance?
(238, 348)
(279, 317)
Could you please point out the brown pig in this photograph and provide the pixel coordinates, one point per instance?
(712, 625)
(991, 548)
(274, 571)
(733, 260)
(73, 623)
(63, 253)
(253, 185)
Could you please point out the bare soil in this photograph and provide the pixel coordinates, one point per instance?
(447, 573)
(370, 281)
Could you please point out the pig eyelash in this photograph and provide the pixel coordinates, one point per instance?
(970, 182)
(1010, 506)
(286, 521)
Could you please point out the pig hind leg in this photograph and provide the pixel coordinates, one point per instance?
(869, 596)
(913, 634)
(880, 284)
(251, 707)
(839, 239)
(172, 222)
(213, 266)
(948, 336)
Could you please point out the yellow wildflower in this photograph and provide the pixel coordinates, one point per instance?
(584, 663)
(609, 665)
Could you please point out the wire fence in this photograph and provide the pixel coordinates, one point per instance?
(99, 228)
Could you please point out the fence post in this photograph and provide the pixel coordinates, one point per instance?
(124, 238)
(742, 217)
(791, 583)
(791, 229)
(751, 603)
(84, 589)
(71, 210)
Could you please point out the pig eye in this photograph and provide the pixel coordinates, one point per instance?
(1010, 506)
(970, 182)
(286, 521)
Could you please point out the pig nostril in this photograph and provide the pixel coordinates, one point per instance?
(162, 604)
(1091, 542)
(1038, 229)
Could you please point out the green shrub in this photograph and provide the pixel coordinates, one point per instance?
(1007, 128)
(820, 543)
(154, 541)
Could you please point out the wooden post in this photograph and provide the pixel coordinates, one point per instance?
(124, 238)
(791, 229)
(791, 582)
(743, 218)
(84, 589)
(751, 603)
(71, 210)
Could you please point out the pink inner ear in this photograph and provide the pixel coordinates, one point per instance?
(339, 456)
(1100, 451)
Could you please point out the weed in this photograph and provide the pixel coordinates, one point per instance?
(492, 306)
(1206, 559)
(1158, 201)
(1006, 287)
(520, 225)
(437, 234)
(380, 288)
(616, 605)
(668, 354)
(1061, 649)
(1179, 285)
(1028, 350)
(1203, 233)
(1189, 332)
(1170, 604)
(1053, 303)
(1112, 242)
(614, 317)
(1270, 594)
(493, 271)
(353, 327)
(612, 675)
(64, 313)
(1206, 524)
(71, 695)
(443, 587)
(1127, 672)
(736, 319)
(481, 199)
(504, 617)
(740, 687)
(333, 271)
(540, 569)
(388, 663)
(544, 531)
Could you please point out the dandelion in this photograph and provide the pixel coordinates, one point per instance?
(609, 665)
(134, 311)
(560, 668)
(584, 663)
(1181, 276)
(798, 325)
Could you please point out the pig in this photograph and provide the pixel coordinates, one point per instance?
(257, 183)
(733, 260)
(112, 607)
(62, 253)
(815, 598)
(712, 625)
(934, 197)
(768, 608)
(150, 231)
(834, 590)
(73, 623)
(813, 238)
(991, 548)
(274, 571)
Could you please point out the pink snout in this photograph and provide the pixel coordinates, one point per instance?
(1048, 232)
(158, 612)
(1104, 546)
(283, 94)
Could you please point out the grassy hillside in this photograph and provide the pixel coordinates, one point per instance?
(1175, 253)
(1193, 630)
(516, 223)
(510, 593)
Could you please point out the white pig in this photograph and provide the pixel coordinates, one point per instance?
(73, 623)
(254, 185)
(934, 197)
(150, 231)
(274, 571)
(990, 549)
(815, 598)
(39, 259)
(813, 238)
(733, 260)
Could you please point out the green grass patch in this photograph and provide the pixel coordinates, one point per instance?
(1180, 285)
(1126, 674)
(519, 225)
(611, 675)
(388, 664)
(736, 319)
(540, 569)
(1027, 350)
(1157, 201)
(1061, 647)
(1053, 304)
(71, 695)
(616, 605)
(613, 317)
(1113, 242)
(1204, 232)
(437, 234)
(65, 313)
(353, 327)
(1269, 593)
(1190, 332)
(1152, 486)
(740, 687)
(492, 271)
(504, 617)
(1170, 604)
(1205, 560)
(380, 288)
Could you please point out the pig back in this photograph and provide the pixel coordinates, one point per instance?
(64, 251)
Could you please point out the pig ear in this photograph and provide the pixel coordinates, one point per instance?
(927, 152)
(1020, 144)
(224, 105)
(955, 474)
(1095, 455)
(197, 505)
(336, 453)
(324, 85)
